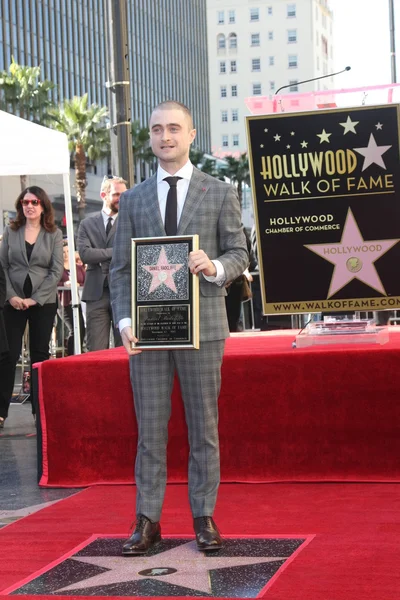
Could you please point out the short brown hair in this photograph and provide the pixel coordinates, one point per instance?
(177, 105)
(47, 217)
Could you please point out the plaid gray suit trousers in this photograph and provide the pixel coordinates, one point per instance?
(199, 373)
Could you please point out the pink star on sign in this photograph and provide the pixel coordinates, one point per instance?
(353, 257)
(162, 272)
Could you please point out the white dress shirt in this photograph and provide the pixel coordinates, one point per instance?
(106, 217)
(185, 173)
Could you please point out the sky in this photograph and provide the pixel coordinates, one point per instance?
(362, 41)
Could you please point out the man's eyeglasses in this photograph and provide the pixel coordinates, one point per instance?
(33, 202)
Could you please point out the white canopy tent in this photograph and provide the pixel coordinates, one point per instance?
(30, 149)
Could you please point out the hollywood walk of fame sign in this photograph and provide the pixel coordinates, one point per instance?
(165, 295)
(326, 192)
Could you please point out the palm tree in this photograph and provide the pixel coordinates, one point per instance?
(23, 94)
(88, 137)
(140, 144)
(237, 171)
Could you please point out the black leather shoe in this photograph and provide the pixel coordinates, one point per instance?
(207, 534)
(146, 534)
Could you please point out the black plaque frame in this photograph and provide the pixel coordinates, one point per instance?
(170, 323)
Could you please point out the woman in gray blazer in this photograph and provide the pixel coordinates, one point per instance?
(31, 255)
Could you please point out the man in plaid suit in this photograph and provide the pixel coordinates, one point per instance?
(209, 208)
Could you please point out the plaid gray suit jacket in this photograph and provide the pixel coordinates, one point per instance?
(212, 211)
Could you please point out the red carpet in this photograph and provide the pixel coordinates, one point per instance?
(312, 414)
(355, 554)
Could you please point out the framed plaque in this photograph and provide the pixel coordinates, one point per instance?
(165, 295)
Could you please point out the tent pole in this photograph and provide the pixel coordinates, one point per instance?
(72, 263)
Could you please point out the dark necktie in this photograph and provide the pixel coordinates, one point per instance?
(109, 225)
(171, 211)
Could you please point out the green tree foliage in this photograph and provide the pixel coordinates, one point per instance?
(237, 171)
(22, 93)
(88, 137)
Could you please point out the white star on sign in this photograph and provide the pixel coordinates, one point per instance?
(353, 250)
(261, 145)
(379, 126)
(349, 125)
(288, 146)
(277, 138)
(292, 133)
(265, 130)
(192, 568)
(372, 153)
(304, 144)
(324, 137)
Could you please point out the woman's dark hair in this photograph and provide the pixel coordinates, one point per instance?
(47, 217)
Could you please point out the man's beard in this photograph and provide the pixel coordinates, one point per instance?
(114, 207)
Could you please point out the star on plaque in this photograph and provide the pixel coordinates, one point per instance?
(265, 130)
(277, 137)
(353, 257)
(349, 125)
(304, 144)
(372, 153)
(324, 137)
(379, 126)
(292, 133)
(162, 273)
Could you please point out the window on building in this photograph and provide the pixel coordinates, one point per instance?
(224, 116)
(292, 36)
(225, 141)
(270, 35)
(221, 42)
(272, 86)
(269, 11)
(255, 39)
(317, 63)
(235, 139)
(324, 45)
(235, 114)
(271, 61)
(292, 61)
(293, 85)
(222, 66)
(256, 89)
(234, 91)
(233, 66)
(224, 92)
(220, 17)
(231, 16)
(254, 14)
(291, 11)
(232, 41)
(256, 64)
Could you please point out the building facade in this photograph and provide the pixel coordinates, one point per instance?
(257, 46)
(67, 38)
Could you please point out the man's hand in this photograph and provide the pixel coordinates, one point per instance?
(28, 302)
(17, 303)
(199, 262)
(127, 339)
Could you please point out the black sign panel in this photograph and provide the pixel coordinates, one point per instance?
(326, 191)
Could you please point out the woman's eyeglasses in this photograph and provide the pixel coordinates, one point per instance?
(33, 202)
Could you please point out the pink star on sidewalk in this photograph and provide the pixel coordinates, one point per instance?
(162, 272)
(353, 257)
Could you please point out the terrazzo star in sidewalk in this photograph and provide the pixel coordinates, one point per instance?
(353, 257)
(182, 566)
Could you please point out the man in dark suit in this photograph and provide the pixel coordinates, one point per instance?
(95, 245)
(209, 208)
